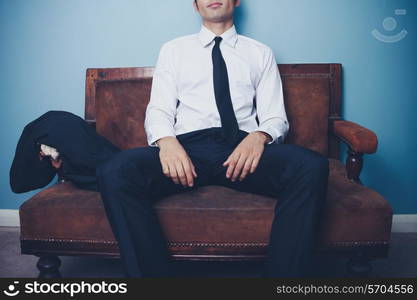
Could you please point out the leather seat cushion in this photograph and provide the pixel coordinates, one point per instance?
(210, 214)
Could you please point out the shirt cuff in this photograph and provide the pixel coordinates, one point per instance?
(272, 132)
(157, 133)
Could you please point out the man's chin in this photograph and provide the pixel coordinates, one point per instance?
(217, 19)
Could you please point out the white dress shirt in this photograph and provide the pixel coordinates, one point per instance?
(182, 95)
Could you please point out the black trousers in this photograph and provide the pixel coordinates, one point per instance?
(132, 181)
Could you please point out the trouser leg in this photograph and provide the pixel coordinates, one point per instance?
(129, 184)
(297, 178)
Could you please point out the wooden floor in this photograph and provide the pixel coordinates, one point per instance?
(402, 262)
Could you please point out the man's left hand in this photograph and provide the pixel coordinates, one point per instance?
(246, 156)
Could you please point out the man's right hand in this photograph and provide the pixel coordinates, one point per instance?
(175, 161)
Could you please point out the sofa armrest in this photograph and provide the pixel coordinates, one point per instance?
(358, 138)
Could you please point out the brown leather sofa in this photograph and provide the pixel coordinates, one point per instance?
(214, 222)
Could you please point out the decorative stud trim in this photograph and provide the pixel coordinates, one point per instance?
(198, 244)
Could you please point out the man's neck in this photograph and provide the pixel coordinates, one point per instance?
(218, 28)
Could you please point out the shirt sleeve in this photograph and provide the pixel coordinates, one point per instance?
(161, 110)
(270, 101)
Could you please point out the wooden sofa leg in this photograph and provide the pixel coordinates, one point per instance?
(358, 265)
(48, 266)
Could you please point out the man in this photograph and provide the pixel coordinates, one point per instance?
(208, 91)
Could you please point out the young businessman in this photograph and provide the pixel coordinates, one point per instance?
(208, 91)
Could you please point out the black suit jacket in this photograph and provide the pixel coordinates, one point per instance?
(80, 147)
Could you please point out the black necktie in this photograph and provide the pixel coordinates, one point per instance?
(230, 126)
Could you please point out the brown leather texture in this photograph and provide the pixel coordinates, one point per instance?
(220, 216)
(359, 138)
(307, 110)
(213, 222)
(121, 111)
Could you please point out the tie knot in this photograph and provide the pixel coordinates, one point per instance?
(218, 39)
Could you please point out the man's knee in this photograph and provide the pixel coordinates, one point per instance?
(317, 165)
(311, 165)
(118, 170)
(311, 161)
(111, 166)
(108, 177)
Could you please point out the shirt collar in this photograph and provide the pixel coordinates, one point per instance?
(206, 36)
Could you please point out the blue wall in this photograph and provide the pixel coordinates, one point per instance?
(46, 46)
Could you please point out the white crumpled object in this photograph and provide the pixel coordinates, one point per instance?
(49, 151)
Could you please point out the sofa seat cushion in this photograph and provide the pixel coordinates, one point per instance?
(210, 217)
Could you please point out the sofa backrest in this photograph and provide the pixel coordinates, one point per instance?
(116, 101)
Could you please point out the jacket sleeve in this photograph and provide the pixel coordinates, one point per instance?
(27, 172)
